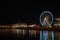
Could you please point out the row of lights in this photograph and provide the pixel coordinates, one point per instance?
(19, 31)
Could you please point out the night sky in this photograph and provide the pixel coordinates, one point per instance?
(27, 11)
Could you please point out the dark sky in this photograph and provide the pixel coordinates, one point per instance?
(27, 11)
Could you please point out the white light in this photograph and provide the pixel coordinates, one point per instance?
(50, 26)
(31, 25)
(46, 12)
(58, 19)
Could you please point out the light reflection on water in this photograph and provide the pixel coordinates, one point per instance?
(52, 35)
(44, 35)
(40, 35)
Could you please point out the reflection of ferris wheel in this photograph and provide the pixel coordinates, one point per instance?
(46, 18)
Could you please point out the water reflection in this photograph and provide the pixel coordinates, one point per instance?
(40, 35)
(52, 35)
(44, 35)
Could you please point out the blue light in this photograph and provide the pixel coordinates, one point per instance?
(45, 35)
(52, 35)
(40, 35)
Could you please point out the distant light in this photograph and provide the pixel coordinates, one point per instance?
(58, 19)
(31, 25)
(25, 25)
(50, 26)
(58, 24)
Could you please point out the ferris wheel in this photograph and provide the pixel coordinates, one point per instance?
(46, 18)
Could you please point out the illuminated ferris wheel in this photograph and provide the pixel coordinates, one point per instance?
(46, 18)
